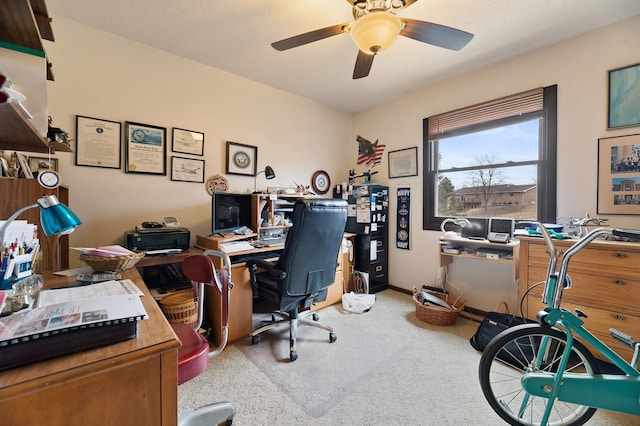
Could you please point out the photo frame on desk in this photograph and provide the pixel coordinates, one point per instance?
(241, 159)
(98, 142)
(146, 149)
(37, 163)
(403, 162)
(618, 179)
(187, 141)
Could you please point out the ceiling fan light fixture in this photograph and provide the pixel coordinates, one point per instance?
(375, 31)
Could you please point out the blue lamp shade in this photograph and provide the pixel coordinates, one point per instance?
(55, 217)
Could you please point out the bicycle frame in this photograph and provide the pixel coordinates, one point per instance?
(608, 391)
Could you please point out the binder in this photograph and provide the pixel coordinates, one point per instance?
(69, 327)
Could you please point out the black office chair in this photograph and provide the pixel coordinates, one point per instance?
(305, 269)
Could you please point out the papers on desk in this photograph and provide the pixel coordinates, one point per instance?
(68, 294)
(236, 246)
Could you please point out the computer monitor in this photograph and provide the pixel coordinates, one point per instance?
(230, 211)
(477, 229)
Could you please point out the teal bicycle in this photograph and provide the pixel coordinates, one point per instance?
(540, 374)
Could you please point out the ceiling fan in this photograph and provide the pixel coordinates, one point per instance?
(376, 26)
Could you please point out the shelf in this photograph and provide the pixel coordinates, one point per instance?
(466, 245)
(23, 61)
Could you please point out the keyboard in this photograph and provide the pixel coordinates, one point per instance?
(241, 258)
(274, 241)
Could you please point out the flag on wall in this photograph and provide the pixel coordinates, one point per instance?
(403, 218)
(369, 153)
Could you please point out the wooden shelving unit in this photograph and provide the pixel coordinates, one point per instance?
(468, 248)
(23, 24)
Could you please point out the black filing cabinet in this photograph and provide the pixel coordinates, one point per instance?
(368, 212)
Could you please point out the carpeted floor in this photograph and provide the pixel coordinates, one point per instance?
(386, 368)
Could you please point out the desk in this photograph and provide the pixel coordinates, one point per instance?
(128, 383)
(241, 297)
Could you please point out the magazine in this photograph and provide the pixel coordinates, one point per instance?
(107, 288)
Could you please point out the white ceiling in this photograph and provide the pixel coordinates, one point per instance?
(235, 36)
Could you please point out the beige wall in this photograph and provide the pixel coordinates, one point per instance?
(107, 77)
(579, 68)
(104, 76)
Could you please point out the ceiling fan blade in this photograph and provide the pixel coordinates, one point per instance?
(435, 34)
(408, 3)
(311, 36)
(363, 65)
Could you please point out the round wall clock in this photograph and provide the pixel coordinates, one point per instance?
(49, 179)
(217, 183)
(321, 182)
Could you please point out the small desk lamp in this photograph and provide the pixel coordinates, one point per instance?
(268, 173)
(460, 221)
(55, 217)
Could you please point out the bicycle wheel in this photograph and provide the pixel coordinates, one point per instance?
(513, 353)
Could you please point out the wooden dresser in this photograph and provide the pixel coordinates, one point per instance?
(606, 285)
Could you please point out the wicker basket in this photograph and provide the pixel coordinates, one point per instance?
(180, 308)
(434, 314)
(112, 263)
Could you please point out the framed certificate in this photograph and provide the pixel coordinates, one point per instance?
(98, 142)
(146, 148)
(187, 141)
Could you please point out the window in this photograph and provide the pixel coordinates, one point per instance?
(496, 159)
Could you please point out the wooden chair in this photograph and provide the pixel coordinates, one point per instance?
(194, 355)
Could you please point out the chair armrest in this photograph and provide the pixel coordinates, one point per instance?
(268, 267)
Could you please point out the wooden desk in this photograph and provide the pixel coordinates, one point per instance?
(241, 297)
(134, 382)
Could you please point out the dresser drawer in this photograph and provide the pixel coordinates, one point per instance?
(602, 290)
(599, 322)
(595, 258)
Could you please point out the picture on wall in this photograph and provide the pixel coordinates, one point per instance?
(187, 169)
(619, 175)
(241, 159)
(623, 88)
(187, 141)
(146, 148)
(403, 162)
(98, 142)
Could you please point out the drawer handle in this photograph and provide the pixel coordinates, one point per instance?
(619, 255)
(617, 317)
(618, 282)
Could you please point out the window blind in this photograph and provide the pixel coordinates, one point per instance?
(519, 104)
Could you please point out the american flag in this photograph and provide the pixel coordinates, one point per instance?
(371, 154)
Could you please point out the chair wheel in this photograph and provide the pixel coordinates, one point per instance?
(315, 317)
(293, 355)
(255, 339)
(332, 337)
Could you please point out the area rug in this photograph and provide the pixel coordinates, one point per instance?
(324, 373)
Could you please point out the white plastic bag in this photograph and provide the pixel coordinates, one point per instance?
(358, 303)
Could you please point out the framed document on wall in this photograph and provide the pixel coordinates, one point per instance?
(146, 148)
(98, 142)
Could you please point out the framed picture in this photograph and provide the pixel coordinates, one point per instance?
(43, 163)
(623, 89)
(98, 142)
(187, 141)
(241, 159)
(403, 162)
(146, 148)
(187, 169)
(619, 175)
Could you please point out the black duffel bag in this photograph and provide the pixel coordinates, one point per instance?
(493, 324)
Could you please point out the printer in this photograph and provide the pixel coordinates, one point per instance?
(162, 238)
